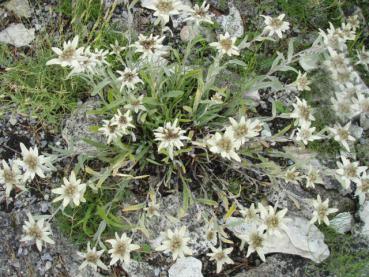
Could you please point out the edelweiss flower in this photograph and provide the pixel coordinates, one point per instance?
(170, 137)
(346, 32)
(313, 178)
(152, 209)
(272, 220)
(33, 164)
(255, 239)
(345, 77)
(361, 104)
(250, 214)
(116, 48)
(343, 107)
(200, 14)
(362, 188)
(342, 135)
(164, 9)
(71, 192)
(321, 211)
(302, 112)
(225, 145)
(275, 25)
(128, 78)
(337, 61)
(333, 38)
(176, 243)
(349, 171)
(151, 47)
(217, 98)
(111, 130)
(363, 56)
(38, 231)
(220, 256)
(226, 45)
(69, 56)
(135, 104)
(123, 121)
(100, 56)
(92, 258)
(11, 177)
(354, 21)
(292, 176)
(121, 248)
(306, 133)
(243, 130)
(302, 82)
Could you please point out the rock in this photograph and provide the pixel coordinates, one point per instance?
(139, 269)
(298, 238)
(20, 7)
(342, 223)
(17, 35)
(277, 266)
(78, 127)
(169, 211)
(364, 216)
(232, 23)
(186, 267)
(23, 259)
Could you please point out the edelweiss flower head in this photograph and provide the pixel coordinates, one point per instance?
(361, 104)
(256, 239)
(33, 164)
(292, 176)
(275, 25)
(346, 32)
(152, 209)
(353, 21)
(37, 231)
(116, 49)
(337, 61)
(251, 214)
(244, 129)
(151, 47)
(220, 256)
(164, 9)
(302, 82)
(123, 121)
(321, 211)
(200, 14)
(175, 243)
(111, 130)
(333, 38)
(362, 188)
(69, 56)
(121, 248)
(306, 133)
(170, 137)
(226, 45)
(217, 98)
(342, 135)
(11, 177)
(302, 112)
(313, 178)
(349, 171)
(71, 192)
(343, 107)
(225, 145)
(92, 258)
(272, 220)
(135, 104)
(363, 56)
(128, 78)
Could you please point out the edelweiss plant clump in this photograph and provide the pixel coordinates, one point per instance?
(170, 126)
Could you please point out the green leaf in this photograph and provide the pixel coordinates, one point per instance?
(173, 94)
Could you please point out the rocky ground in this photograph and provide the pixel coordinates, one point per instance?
(20, 22)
